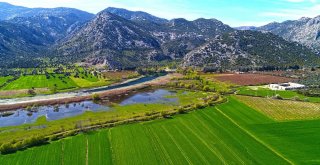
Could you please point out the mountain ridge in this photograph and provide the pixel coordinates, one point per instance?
(304, 30)
(129, 39)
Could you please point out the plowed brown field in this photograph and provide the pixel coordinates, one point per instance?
(251, 79)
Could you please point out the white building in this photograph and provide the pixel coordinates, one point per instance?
(286, 86)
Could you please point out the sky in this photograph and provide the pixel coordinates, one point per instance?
(232, 12)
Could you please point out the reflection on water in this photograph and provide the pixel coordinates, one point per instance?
(30, 115)
(158, 96)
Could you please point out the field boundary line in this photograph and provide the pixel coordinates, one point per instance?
(179, 147)
(219, 156)
(218, 138)
(113, 159)
(162, 148)
(254, 137)
(87, 151)
(62, 153)
(192, 145)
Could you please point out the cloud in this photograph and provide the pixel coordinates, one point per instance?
(301, 1)
(296, 1)
(294, 13)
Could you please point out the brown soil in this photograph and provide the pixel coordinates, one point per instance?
(252, 79)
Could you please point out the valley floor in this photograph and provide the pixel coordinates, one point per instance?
(230, 133)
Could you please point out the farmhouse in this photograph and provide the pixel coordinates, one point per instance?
(286, 86)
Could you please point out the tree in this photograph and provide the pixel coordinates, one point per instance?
(55, 88)
(32, 92)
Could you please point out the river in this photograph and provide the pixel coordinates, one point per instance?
(86, 92)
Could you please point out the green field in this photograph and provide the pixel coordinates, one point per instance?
(231, 133)
(90, 82)
(3, 80)
(265, 92)
(89, 118)
(283, 110)
(61, 82)
(40, 81)
(197, 138)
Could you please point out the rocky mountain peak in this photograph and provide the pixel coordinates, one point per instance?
(135, 15)
(305, 31)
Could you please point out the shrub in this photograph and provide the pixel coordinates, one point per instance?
(306, 99)
(165, 114)
(296, 98)
(96, 97)
(182, 111)
(206, 88)
(198, 106)
(277, 96)
(31, 92)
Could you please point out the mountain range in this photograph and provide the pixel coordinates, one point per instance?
(305, 31)
(119, 38)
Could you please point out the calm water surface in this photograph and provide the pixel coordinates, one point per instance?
(30, 115)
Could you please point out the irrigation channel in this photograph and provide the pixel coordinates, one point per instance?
(55, 112)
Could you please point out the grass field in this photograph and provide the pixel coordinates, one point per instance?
(295, 140)
(85, 83)
(117, 112)
(261, 91)
(65, 83)
(203, 137)
(40, 81)
(230, 133)
(3, 80)
(283, 109)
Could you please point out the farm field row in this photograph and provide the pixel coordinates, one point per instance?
(40, 81)
(283, 110)
(295, 140)
(203, 137)
(231, 133)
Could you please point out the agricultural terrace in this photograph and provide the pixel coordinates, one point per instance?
(283, 110)
(251, 79)
(230, 133)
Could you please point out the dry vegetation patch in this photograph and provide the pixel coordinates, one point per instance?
(21, 92)
(112, 75)
(283, 110)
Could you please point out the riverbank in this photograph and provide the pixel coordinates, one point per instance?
(44, 130)
(108, 93)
